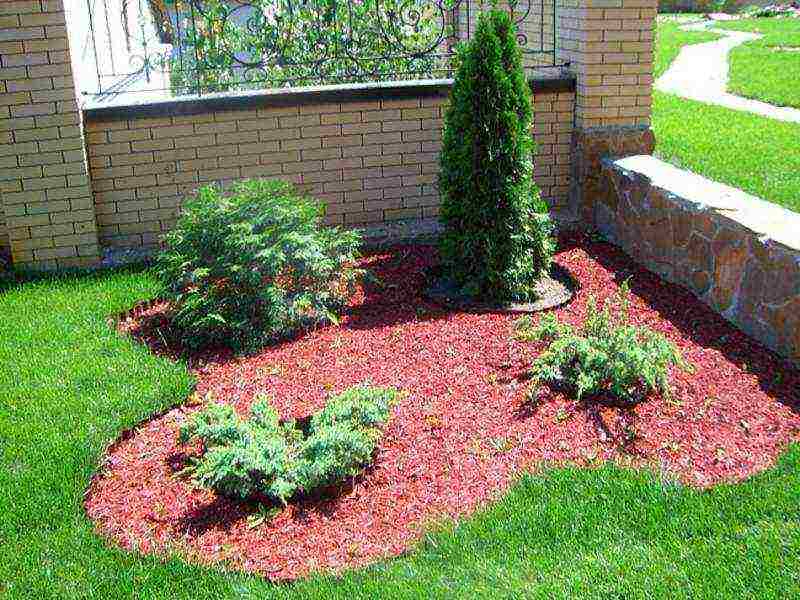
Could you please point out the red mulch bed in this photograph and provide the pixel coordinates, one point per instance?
(464, 430)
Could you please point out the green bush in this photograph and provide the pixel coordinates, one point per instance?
(497, 231)
(606, 354)
(254, 266)
(262, 456)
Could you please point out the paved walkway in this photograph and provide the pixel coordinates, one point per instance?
(701, 73)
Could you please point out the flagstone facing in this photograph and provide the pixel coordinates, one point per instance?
(589, 148)
(737, 253)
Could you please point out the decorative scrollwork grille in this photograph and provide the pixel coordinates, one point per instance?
(206, 46)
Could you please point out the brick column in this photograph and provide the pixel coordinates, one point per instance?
(609, 44)
(45, 191)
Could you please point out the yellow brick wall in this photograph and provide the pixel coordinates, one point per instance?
(370, 161)
(609, 44)
(552, 132)
(44, 187)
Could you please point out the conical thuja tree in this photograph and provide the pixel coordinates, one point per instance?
(497, 239)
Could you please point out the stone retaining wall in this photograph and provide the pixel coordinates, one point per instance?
(737, 253)
(370, 153)
(589, 148)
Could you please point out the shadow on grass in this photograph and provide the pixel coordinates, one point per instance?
(13, 278)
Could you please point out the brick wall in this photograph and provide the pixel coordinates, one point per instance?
(44, 188)
(372, 157)
(609, 44)
(371, 161)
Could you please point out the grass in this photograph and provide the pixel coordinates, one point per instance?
(750, 152)
(670, 39)
(753, 153)
(762, 69)
(69, 385)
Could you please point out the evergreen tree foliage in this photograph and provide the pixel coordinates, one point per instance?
(497, 240)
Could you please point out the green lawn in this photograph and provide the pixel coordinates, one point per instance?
(670, 39)
(765, 69)
(756, 154)
(69, 384)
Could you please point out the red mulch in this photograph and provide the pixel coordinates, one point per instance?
(463, 431)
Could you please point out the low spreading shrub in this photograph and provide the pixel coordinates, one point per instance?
(606, 354)
(497, 233)
(263, 456)
(253, 266)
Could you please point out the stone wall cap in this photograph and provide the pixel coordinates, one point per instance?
(108, 108)
(765, 219)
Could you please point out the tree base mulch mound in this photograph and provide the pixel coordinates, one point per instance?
(554, 290)
(464, 429)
